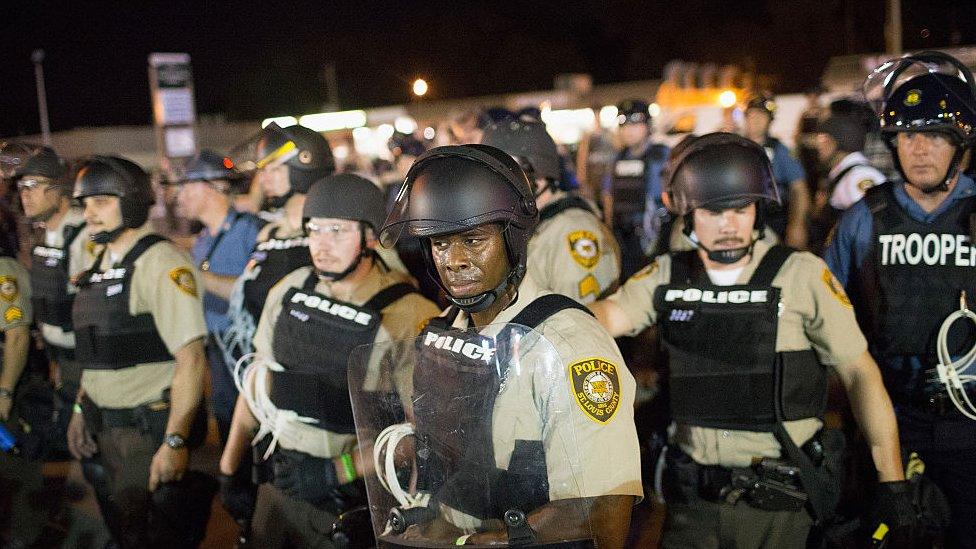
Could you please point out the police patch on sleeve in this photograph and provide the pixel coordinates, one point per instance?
(584, 248)
(645, 272)
(835, 288)
(184, 280)
(8, 288)
(596, 388)
(865, 184)
(13, 314)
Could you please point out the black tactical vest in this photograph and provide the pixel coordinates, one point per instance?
(461, 374)
(559, 206)
(912, 278)
(313, 338)
(107, 335)
(721, 340)
(50, 268)
(275, 257)
(629, 188)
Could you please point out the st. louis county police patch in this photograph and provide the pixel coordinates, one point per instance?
(596, 388)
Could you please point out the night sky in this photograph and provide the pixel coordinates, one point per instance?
(252, 60)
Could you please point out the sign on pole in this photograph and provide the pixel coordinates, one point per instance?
(174, 109)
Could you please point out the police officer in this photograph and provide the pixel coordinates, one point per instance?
(21, 482)
(631, 193)
(312, 321)
(285, 161)
(64, 251)
(139, 334)
(790, 221)
(839, 143)
(475, 210)
(750, 330)
(903, 254)
(221, 251)
(571, 252)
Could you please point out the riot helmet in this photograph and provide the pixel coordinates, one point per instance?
(925, 92)
(763, 102)
(345, 196)
(210, 167)
(33, 165)
(406, 144)
(116, 176)
(633, 111)
(306, 153)
(454, 189)
(530, 145)
(719, 171)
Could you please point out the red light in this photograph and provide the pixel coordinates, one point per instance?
(228, 163)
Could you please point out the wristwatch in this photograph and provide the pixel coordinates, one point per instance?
(174, 441)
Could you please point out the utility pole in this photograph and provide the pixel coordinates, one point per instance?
(38, 58)
(893, 27)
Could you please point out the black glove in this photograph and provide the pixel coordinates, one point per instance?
(894, 506)
(238, 495)
(304, 477)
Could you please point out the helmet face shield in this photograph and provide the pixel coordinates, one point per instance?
(267, 148)
(928, 91)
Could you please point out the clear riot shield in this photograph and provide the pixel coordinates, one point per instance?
(470, 433)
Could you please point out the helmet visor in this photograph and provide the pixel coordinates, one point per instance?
(881, 84)
(267, 148)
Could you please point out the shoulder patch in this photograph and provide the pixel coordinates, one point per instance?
(184, 280)
(584, 248)
(423, 324)
(8, 288)
(596, 388)
(645, 272)
(589, 286)
(865, 184)
(13, 314)
(835, 288)
(90, 248)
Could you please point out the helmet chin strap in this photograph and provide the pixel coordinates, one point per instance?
(277, 202)
(727, 256)
(482, 301)
(104, 237)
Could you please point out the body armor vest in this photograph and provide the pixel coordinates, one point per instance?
(630, 185)
(725, 371)
(461, 373)
(50, 268)
(566, 203)
(313, 338)
(912, 279)
(276, 257)
(107, 335)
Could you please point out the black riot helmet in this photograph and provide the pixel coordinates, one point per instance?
(346, 196)
(633, 111)
(453, 189)
(530, 145)
(209, 166)
(406, 144)
(848, 132)
(764, 102)
(719, 171)
(930, 91)
(44, 162)
(115, 176)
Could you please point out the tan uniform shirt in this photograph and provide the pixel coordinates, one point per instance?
(590, 451)
(401, 320)
(15, 295)
(164, 285)
(815, 314)
(81, 255)
(574, 254)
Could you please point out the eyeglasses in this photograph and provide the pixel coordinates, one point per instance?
(333, 231)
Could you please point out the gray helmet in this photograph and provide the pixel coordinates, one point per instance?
(209, 166)
(346, 196)
(530, 144)
(44, 162)
(848, 132)
(115, 176)
(312, 160)
(453, 189)
(720, 170)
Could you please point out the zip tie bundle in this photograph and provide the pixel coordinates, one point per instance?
(387, 442)
(951, 373)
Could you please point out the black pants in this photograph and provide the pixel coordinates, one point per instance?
(947, 445)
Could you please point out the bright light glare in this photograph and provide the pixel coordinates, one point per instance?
(419, 87)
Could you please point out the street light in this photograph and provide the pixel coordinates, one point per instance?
(419, 87)
(37, 56)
